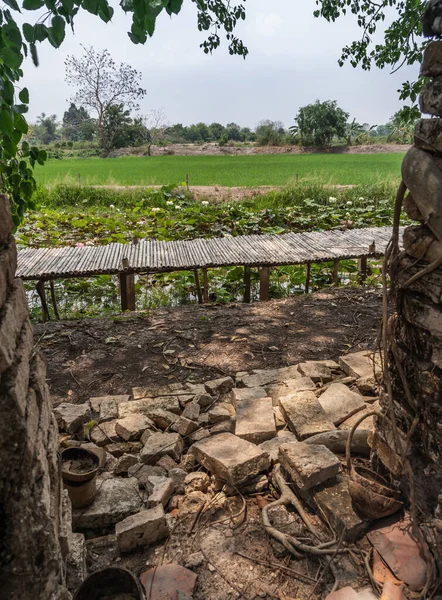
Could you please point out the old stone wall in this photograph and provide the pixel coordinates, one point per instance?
(34, 511)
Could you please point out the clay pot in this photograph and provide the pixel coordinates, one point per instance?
(370, 492)
(109, 583)
(81, 486)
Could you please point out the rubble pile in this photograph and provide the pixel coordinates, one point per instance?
(171, 457)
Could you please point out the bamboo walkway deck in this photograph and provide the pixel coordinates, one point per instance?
(151, 256)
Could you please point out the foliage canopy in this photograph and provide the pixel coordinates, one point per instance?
(317, 124)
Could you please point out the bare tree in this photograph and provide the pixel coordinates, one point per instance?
(156, 124)
(102, 83)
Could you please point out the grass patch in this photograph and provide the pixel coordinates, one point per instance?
(230, 171)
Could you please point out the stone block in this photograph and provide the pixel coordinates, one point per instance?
(163, 419)
(143, 529)
(333, 498)
(162, 444)
(317, 371)
(143, 472)
(428, 135)
(116, 499)
(308, 464)
(124, 463)
(117, 449)
(272, 446)
(279, 418)
(201, 434)
(261, 378)
(368, 424)
(96, 401)
(218, 413)
(167, 463)
(227, 426)
(76, 570)
(8, 266)
(430, 98)
(360, 364)
(184, 426)
(71, 417)
(178, 476)
(278, 390)
(148, 406)
(6, 224)
(105, 433)
(204, 400)
(191, 411)
(161, 491)
(423, 314)
(12, 318)
(108, 411)
(230, 458)
(340, 403)
(196, 482)
(432, 60)
(255, 421)
(132, 427)
(254, 393)
(304, 414)
(219, 386)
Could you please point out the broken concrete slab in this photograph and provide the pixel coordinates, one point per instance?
(308, 464)
(340, 403)
(162, 444)
(227, 426)
(279, 418)
(368, 425)
(108, 411)
(132, 427)
(71, 417)
(117, 449)
(360, 364)
(304, 415)
(219, 386)
(184, 426)
(196, 482)
(201, 434)
(143, 472)
(261, 378)
(143, 529)
(281, 389)
(162, 489)
(76, 569)
(230, 458)
(95, 402)
(204, 400)
(317, 371)
(163, 418)
(333, 498)
(178, 476)
(166, 581)
(116, 499)
(146, 406)
(255, 421)
(105, 433)
(272, 446)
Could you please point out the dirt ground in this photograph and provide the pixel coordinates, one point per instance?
(195, 343)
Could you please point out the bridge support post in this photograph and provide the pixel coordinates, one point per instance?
(335, 275)
(362, 269)
(307, 278)
(127, 288)
(198, 286)
(264, 283)
(41, 291)
(206, 286)
(247, 280)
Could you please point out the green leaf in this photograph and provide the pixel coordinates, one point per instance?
(91, 6)
(7, 91)
(40, 32)
(33, 4)
(24, 96)
(16, 136)
(28, 32)
(9, 146)
(175, 6)
(68, 5)
(11, 35)
(11, 58)
(56, 33)
(20, 123)
(42, 157)
(12, 4)
(105, 11)
(6, 121)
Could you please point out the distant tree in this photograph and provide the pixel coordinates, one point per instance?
(45, 130)
(77, 124)
(216, 130)
(317, 124)
(176, 133)
(234, 132)
(197, 133)
(248, 135)
(270, 133)
(120, 130)
(156, 128)
(401, 126)
(102, 83)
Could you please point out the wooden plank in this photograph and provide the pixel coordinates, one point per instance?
(40, 287)
(264, 284)
(127, 288)
(206, 286)
(307, 278)
(198, 286)
(335, 275)
(362, 269)
(247, 284)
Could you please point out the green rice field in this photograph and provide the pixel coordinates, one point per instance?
(230, 171)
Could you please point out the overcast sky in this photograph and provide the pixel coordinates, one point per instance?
(292, 62)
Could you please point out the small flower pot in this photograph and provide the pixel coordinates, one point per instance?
(79, 468)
